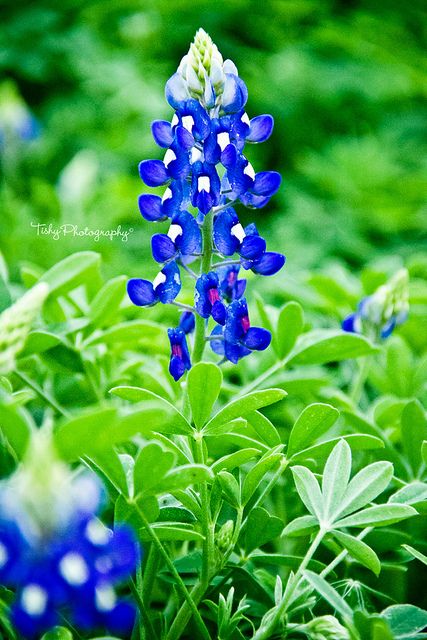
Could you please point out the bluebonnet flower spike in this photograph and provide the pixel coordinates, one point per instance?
(377, 315)
(204, 167)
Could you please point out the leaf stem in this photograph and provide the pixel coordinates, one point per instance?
(204, 633)
(265, 631)
(205, 267)
(358, 383)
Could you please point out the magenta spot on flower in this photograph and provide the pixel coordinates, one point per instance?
(177, 350)
(213, 295)
(232, 277)
(245, 323)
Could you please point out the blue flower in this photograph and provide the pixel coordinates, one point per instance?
(155, 208)
(187, 322)
(164, 288)
(180, 357)
(205, 187)
(238, 338)
(230, 237)
(207, 298)
(193, 118)
(230, 286)
(183, 239)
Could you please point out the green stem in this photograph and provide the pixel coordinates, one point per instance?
(199, 336)
(340, 557)
(146, 628)
(43, 394)
(360, 379)
(265, 632)
(204, 633)
(150, 573)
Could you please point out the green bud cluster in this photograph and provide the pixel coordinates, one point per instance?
(326, 628)
(15, 324)
(389, 300)
(224, 536)
(202, 69)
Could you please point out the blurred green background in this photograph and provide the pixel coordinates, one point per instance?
(346, 82)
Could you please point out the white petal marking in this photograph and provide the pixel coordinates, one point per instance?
(238, 232)
(74, 569)
(169, 156)
(159, 279)
(105, 598)
(188, 123)
(34, 599)
(249, 171)
(167, 195)
(223, 139)
(175, 230)
(245, 119)
(204, 184)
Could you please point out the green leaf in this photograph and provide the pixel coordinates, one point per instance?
(132, 332)
(151, 465)
(359, 550)
(327, 345)
(424, 451)
(414, 552)
(379, 515)
(40, 340)
(414, 432)
(108, 463)
(289, 326)
(412, 493)
(204, 384)
(245, 405)
(107, 301)
(303, 526)
(183, 477)
(327, 592)
(127, 511)
(236, 459)
(137, 394)
(336, 475)
(258, 472)
(16, 425)
(261, 528)
(308, 490)
(405, 619)
(365, 486)
(314, 421)
(73, 271)
(357, 441)
(230, 487)
(264, 428)
(171, 532)
(58, 633)
(234, 426)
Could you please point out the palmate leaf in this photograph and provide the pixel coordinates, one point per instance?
(415, 553)
(256, 475)
(366, 485)
(327, 345)
(309, 491)
(261, 528)
(405, 620)
(290, 323)
(379, 515)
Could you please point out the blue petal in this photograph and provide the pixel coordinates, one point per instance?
(257, 338)
(121, 619)
(267, 183)
(217, 346)
(190, 241)
(168, 290)
(349, 323)
(203, 201)
(235, 351)
(176, 368)
(252, 247)
(150, 207)
(176, 90)
(153, 172)
(226, 243)
(260, 128)
(219, 312)
(187, 322)
(388, 328)
(269, 264)
(229, 156)
(184, 138)
(141, 292)
(162, 133)
(231, 97)
(163, 248)
(254, 202)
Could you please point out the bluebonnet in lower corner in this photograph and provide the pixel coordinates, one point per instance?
(205, 173)
(59, 558)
